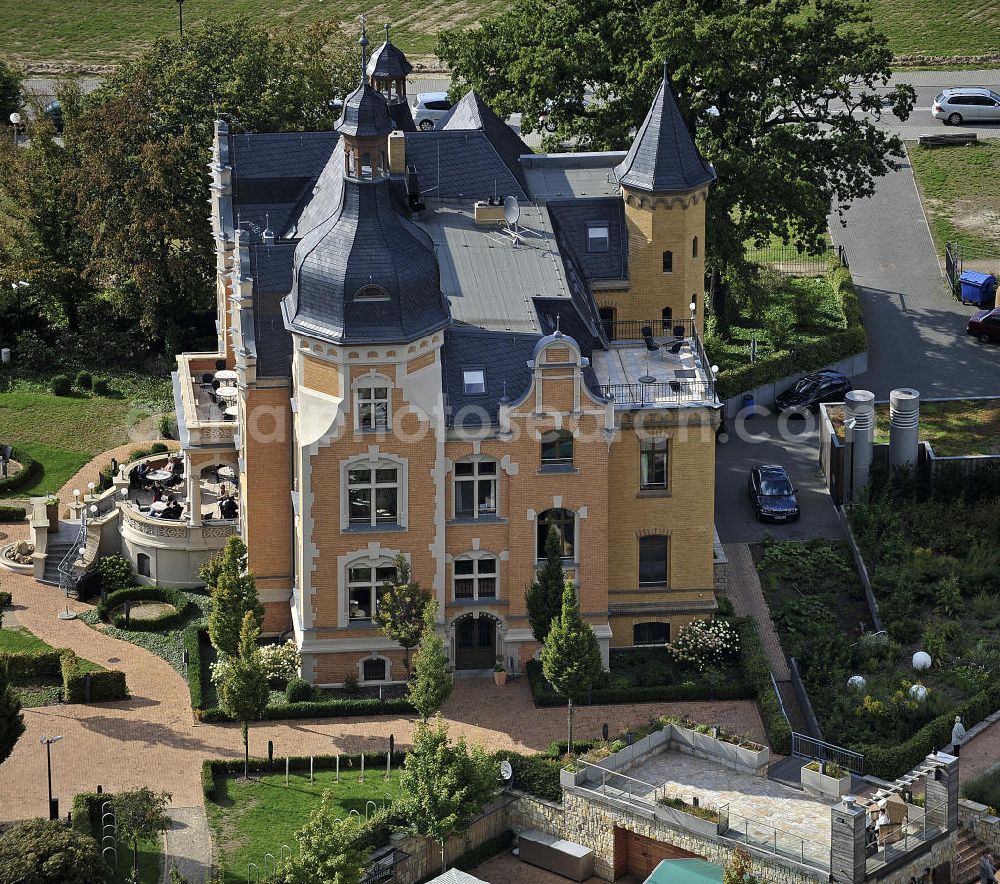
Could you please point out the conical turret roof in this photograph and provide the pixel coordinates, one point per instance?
(663, 157)
(388, 61)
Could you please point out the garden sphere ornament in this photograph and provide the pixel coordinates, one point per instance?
(857, 682)
(918, 692)
(921, 661)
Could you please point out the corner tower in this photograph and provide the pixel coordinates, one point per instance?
(664, 183)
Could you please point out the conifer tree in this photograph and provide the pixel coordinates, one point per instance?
(544, 597)
(431, 684)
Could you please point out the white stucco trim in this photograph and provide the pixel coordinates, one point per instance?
(374, 655)
(375, 555)
(373, 460)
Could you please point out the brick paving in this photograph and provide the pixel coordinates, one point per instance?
(152, 738)
(981, 753)
(748, 601)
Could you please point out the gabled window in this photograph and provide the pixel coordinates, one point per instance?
(476, 578)
(475, 489)
(557, 448)
(373, 495)
(373, 408)
(668, 262)
(598, 239)
(474, 381)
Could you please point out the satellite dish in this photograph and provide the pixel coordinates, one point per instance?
(506, 771)
(511, 210)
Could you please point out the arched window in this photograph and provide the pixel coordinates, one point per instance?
(565, 524)
(694, 247)
(142, 565)
(557, 448)
(475, 577)
(668, 262)
(366, 165)
(371, 292)
(475, 489)
(374, 669)
(651, 634)
(365, 579)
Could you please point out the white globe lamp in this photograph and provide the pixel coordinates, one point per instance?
(921, 661)
(918, 692)
(857, 682)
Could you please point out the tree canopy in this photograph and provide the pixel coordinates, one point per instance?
(243, 692)
(11, 717)
(330, 848)
(400, 610)
(432, 683)
(234, 595)
(783, 96)
(141, 813)
(543, 598)
(47, 852)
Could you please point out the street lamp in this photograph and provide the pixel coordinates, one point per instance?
(180, 14)
(53, 802)
(15, 121)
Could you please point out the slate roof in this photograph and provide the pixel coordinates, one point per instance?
(460, 164)
(571, 219)
(271, 266)
(663, 158)
(402, 116)
(366, 242)
(364, 114)
(472, 113)
(388, 61)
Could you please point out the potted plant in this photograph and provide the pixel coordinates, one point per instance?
(499, 673)
(830, 779)
(52, 512)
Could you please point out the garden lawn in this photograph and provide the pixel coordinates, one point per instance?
(251, 819)
(817, 309)
(953, 429)
(150, 863)
(38, 690)
(958, 186)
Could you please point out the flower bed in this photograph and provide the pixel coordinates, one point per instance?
(111, 608)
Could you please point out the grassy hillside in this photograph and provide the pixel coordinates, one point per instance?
(105, 31)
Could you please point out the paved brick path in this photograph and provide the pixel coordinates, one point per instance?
(152, 739)
(748, 601)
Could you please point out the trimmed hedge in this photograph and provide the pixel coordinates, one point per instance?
(105, 684)
(86, 815)
(537, 775)
(985, 789)
(29, 471)
(894, 761)
(12, 513)
(668, 693)
(757, 669)
(181, 603)
(25, 665)
(319, 709)
(833, 348)
(193, 637)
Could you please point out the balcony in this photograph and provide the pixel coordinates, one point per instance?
(202, 421)
(671, 370)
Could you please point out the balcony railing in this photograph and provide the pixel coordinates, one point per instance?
(631, 329)
(668, 393)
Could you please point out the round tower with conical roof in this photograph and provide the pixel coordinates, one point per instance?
(664, 183)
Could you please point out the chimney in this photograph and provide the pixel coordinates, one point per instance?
(904, 426)
(859, 425)
(397, 153)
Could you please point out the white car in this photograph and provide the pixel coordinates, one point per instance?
(967, 104)
(430, 107)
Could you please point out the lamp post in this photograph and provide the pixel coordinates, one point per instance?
(15, 121)
(180, 14)
(53, 802)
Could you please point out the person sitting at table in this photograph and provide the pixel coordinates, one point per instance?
(173, 510)
(139, 474)
(228, 508)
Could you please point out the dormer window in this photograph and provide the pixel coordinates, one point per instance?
(598, 239)
(474, 381)
(371, 293)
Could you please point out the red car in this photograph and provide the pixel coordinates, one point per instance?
(985, 325)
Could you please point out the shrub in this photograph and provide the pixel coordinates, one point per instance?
(46, 852)
(12, 513)
(5, 599)
(757, 670)
(61, 385)
(27, 474)
(537, 775)
(168, 426)
(298, 691)
(985, 789)
(84, 380)
(702, 643)
(105, 684)
(193, 637)
(116, 573)
(101, 387)
(281, 662)
(158, 448)
(322, 709)
(181, 603)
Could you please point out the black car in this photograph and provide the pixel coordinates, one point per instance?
(808, 392)
(772, 494)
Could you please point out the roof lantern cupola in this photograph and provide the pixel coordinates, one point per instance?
(388, 69)
(663, 157)
(365, 124)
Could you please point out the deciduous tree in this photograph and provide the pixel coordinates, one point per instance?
(47, 852)
(330, 849)
(234, 594)
(783, 96)
(243, 691)
(11, 718)
(400, 610)
(141, 813)
(448, 783)
(432, 683)
(571, 656)
(543, 598)
(11, 79)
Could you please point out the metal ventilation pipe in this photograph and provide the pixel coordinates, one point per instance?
(859, 423)
(904, 421)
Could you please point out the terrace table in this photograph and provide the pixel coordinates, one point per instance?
(226, 374)
(158, 507)
(227, 392)
(159, 475)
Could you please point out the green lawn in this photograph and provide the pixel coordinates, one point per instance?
(40, 690)
(958, 186)
(105, 32)
(952, 428)
(249, 820)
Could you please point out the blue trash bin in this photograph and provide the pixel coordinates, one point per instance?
(978, 288)
(748, 401)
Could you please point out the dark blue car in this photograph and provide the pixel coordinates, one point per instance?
(772, 494)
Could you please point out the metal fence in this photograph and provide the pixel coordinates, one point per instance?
(769, 839)
(632, 329)
(667, 393)
(788, 259)
(953, 265)
(809, 747)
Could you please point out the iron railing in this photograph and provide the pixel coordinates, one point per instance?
(809, 747)
(631, 329)
(920, 826)
(668, 393)
(788, 259)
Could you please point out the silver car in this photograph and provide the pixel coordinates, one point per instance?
(967, 104)
(430, 107)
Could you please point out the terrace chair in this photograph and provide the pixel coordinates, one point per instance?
(647, 338)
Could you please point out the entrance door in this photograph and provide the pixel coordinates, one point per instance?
(475, 643)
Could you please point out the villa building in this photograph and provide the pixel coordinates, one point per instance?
(441, 344)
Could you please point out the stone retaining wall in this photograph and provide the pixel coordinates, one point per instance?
(977, 819)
